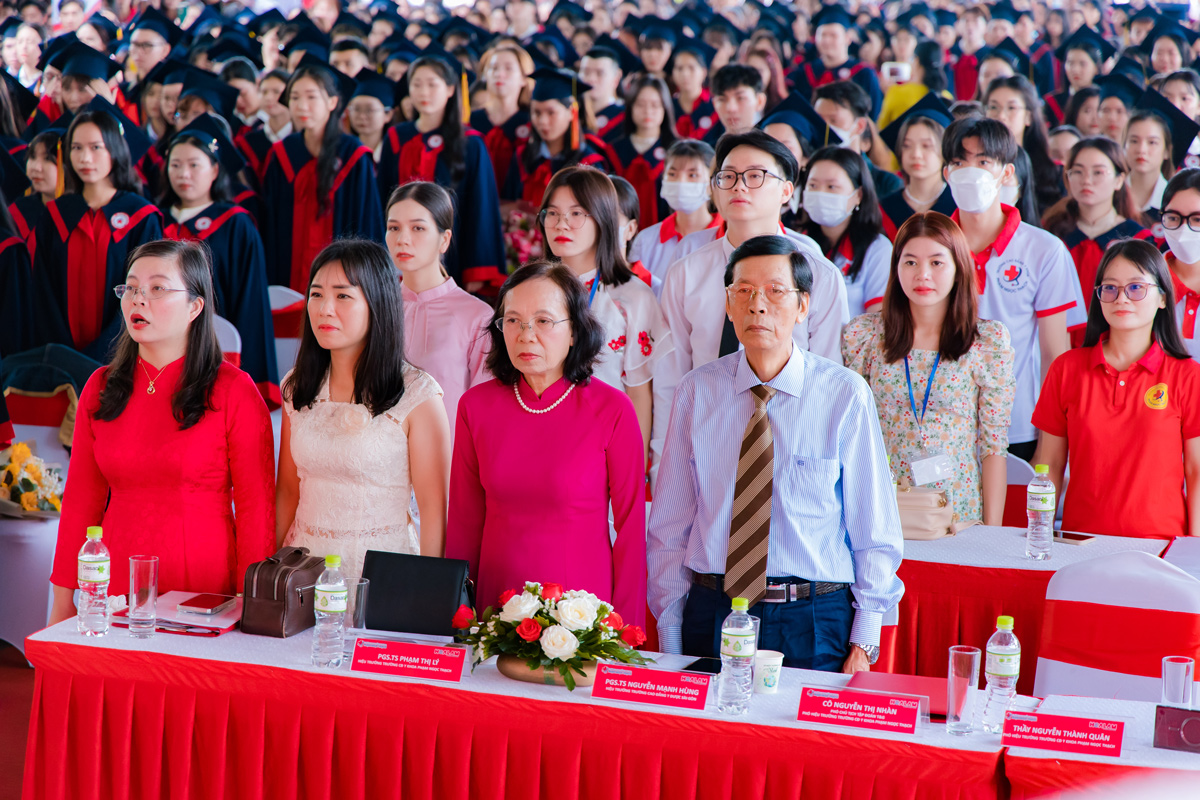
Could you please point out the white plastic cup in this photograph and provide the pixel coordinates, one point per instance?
(768, 666)
(1177, 676)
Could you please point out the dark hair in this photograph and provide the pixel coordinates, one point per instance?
(627, 198)
(344, 45)
(932, 125)
(6, 219)
(866, 221)
(1077, 102)
(1188, 76)
(776, 90)
(995, 139)
(735, 76)
(102, 31)
(773, 244)
(960, 325)
(585, 328)
(327, 160)
(966, 108)
(1064, 128)
(691, 148)
(379, 373)
(453, 129)
(222, 186)
(1186, 178)
(595, 193)
(1167, 167)
(48, 140)
(1023, 172)
(192, 395)
(239, 69)
(433, 198)
(280, 75)
(122, 175)
(1063, 215)
(1149, 261)
(1036, 142)
(933, 62)
(760, 140)
(666, 131)
(11, 122)
(532, 151)
(1088, 49)
(846, 94)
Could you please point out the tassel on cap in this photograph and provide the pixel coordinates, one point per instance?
(466, 97)
(574, 113)
(60, 182)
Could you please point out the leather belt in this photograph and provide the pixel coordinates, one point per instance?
(779, 590)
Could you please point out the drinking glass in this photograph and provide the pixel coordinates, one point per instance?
(1178, 672)
(356, 611)
(143, 596)
(961, 689)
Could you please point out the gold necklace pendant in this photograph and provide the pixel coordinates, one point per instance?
(150, 388)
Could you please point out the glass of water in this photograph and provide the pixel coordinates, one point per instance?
(1178, 672)
(961, 689)
(143, 596)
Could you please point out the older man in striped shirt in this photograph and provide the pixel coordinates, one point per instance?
(774, 486)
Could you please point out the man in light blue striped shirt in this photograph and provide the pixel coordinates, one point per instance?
(833, 543)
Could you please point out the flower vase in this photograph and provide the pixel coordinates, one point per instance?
(518, 670)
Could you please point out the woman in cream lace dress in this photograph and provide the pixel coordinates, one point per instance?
(363, 432)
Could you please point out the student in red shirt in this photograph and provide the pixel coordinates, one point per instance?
(1124, 408)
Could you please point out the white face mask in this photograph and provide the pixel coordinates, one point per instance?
(1009, 195)
(684, 196)
(826, 208)
(1184, 243)
(974, 189)
(842, 134)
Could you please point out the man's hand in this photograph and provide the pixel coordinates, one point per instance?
(856, 661)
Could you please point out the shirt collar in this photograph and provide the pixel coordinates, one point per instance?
(1012, 220)
(1181, 288)
(1149, 362)
(668, 230)
(445, 288)
(790, 379)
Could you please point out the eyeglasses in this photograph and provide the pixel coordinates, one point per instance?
(148, 292)
(744, 293)
(1080, 175)
(1000, 111)
(514, 327)
(726, 179)
(549, 218)
(1171, 220)
(1108, 293)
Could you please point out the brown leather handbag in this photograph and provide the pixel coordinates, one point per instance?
(280, 592)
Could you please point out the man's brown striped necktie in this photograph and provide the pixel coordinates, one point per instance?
(746, 563)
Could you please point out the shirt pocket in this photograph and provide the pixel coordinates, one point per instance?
(809, 488)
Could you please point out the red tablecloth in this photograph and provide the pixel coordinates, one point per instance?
(1039, 777)
(116, 724)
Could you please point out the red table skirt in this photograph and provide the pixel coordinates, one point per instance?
(1039, 777)
(111, 724)
(949, 604)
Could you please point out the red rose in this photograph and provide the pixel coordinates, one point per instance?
(463, 618)
(614, 621)
(530, 631)
(551, 591)
(506, 596)
(633, 636)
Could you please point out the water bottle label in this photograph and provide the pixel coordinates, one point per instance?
(1040, 501)
(1003, 665)
(736, 643)
(332, 601)
(94, 571)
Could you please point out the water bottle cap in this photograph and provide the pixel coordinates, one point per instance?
(1041, 469)
(95, 532)
(1004, 623)
(740, 604)
(333, 561)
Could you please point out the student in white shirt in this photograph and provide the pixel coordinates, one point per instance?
(693, 295)
(1027, 280)
(1181, 211)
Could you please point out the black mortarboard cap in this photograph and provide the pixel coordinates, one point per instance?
(553, 37)
(8, 27)
(799, 114)
(1089, 38)
(1006, 12)
(1145, 14)
(1175, 31)
(557, 84)
(269, 18)
(209, 130)
(698, 48)
(436, 51)
(214, 91)
(345, 83)
(111, 32)
(204, 24)
(1015, 56)
(1131, 68)
(233, 44)
(1119, 85)
(628, 60)
(1183, 128)
(347, 20)
(541, 60)
(1177, 12)
(25, 101)
(55, 46)
(474, 34)
(945, 18)
(657, 31)
(91, 64)
(726, 27)
(570, 10)
(135, 137)
(930, 106)
(311, 41)
(833, 15)
(153, 19)
(371, 84)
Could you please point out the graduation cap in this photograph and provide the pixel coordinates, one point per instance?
(553, 37)
(629, 62)
(399, 48)
(1086, 39)
(833, 15)
(689, 24)
(135, 137)
(657, 32)
(233, 44)
(930, 107)
(697, 48)
(53, 47)
(1121, 86)
(1011, 52)
(436, 51)
(12, 177)
(542, 61)
(220, 96)
(203, 24)
(1183, 128)
(311, 41)
(569, 10)
(557, 84)
(8, 28)
(773, 25)
(457, 26)
(25, 101)
(1006, 12)
(721, 25)
(111, 32)
(908, 18)
(345, 83)
(152, 19)
(1169, 28)
(797, 113)
(370, 83)
(346, 20)
(1145, 14)
(397, 22)
(91, 64)
(1177, 12)
(1131, 68)
(270, 18)
(945, 18)
(207, 129)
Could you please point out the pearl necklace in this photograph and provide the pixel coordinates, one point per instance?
(548, 409)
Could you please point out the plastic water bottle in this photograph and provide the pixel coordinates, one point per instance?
(1040, 505)
(738, 641)
(95, 570)
(1003, 669)
(330, 609)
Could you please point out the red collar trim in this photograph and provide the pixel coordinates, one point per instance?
(1012, 220)
(667, 231)
(721, 227)
(1151, 362)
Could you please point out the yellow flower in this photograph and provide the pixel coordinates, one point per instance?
(20, 454)
(34, 472)
(54, 501)
(29, 501)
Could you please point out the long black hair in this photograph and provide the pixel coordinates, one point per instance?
(122, 175)
(192, 395)
(666, 132)
(571, 155)
(933, 62)
(1150, 262)
(1076, 104)
(222, 186)
(1036, 141)
(453, 129)
(328, 161)
(598, 197)
(11, 122)
(1026, 204)
(866, 221)
(379, 373)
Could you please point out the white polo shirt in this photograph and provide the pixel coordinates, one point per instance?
(1025, 275)
(657, 247)
(869, 284)
(1187, 307)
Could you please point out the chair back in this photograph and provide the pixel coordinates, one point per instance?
(1020, 473)
(229, 339)
(287, 316)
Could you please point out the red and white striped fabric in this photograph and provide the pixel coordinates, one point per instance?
(1110, 621)
(37, 418)
(287, 315)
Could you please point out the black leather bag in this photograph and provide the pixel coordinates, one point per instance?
(280, 593)
(415, 594)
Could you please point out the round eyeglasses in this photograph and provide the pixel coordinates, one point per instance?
(1108, 293)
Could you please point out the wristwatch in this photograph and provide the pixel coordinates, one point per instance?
(871, 651)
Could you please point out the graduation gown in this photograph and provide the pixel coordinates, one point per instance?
(896, 210)
(812, 75)
(644, 171)
(152, 169)
(610, 122)
(254, 144)
(502, 141)
(7, 434)
(966, 76)
(1055, 106)
(293, 230)
(16, 295)
(713, 134)
(527, 184)
(240, 283)
(1044, 66)
(695, 123)
(477, 250)
(45, 115)
(27, 213)
(78, 256)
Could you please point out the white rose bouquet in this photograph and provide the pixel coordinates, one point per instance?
(547, 627)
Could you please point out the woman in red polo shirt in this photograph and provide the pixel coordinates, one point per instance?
(1124, 410)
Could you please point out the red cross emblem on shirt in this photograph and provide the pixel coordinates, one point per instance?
(1012, 272)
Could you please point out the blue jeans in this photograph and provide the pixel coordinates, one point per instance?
(812, 634)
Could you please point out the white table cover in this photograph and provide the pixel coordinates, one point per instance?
(984, 546)
(1185, 554)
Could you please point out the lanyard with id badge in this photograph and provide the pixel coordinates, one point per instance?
(932, 466)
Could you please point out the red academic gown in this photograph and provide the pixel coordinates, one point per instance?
(696, 123)
(27, 213)
(16, 295)
(644, 171)
(966, 76)
(529, 183)
(502, 141)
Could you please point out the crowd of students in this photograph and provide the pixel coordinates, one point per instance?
(999, 205)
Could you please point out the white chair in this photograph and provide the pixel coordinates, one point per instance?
(1020, 473)
(229, 339)
(287, 315)
(1110, 621)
